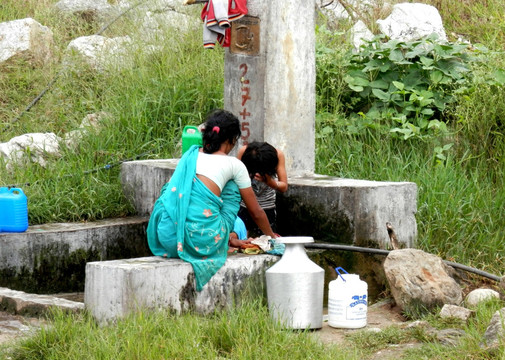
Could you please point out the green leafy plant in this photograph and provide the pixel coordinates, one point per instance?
(407, 86)
(441, 153)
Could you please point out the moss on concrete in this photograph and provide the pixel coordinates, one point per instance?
(55, 267)
(367, 266)
(295, 218)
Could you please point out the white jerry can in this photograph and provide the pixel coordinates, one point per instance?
(347, 301)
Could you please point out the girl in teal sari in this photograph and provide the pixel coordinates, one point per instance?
(197, 208)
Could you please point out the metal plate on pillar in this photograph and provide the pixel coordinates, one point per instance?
(245, 36)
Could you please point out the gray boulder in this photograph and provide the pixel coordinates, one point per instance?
(480, 295)
(99, 52)
(37, 145)
(412, 21)
(420, 281)
(27, 38)
(495, 331)
(456, 312)
(360, 34)
(95, 9)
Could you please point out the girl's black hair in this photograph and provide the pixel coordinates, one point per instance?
(221, 125)
(261, 158)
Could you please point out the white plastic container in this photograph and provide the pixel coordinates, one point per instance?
(347, 301)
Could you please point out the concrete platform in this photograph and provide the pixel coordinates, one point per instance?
(51, 258)
(113, 289)
(21, 303)
(329, 209)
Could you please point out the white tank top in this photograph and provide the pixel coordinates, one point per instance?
(222, 168)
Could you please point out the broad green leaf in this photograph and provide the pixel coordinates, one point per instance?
(356, 88)
(381, 95)
(379, 84)
(399, 85)
(436, 76)
(499, 76)
(414, 53)
(423, 102)
(423, 123)
(426, 61)
(396, 55)
(326, 130)
(426, 94)
(385, 67)
(360, 81)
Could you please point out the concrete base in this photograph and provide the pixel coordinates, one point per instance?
(348, 211)
(51, 258)
(329, 209)
(116, 288)
(21, 303)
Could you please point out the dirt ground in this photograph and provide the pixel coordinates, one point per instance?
(15, 326)
(379, 316)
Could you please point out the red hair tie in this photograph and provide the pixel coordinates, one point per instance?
(216, 129)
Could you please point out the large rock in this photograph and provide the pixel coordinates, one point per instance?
(457, 312)
(360, 34)
(409, 22)
(37, 145)
(495, 331)
(480, 295)
(90, 123)
(94, 9)
(25, 37)
(420, 281)
(100, 52)
(155, 24)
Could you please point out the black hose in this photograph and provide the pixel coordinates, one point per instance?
(386, 252)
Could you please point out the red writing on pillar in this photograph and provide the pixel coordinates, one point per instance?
(245, 89)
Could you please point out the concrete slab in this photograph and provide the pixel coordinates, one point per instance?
(142, 181)
(51, 258)
(348, 211)
(330, 209)
(116, 288)
(21, 303)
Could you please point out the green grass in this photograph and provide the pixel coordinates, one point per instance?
(243, 332)
(247, 332)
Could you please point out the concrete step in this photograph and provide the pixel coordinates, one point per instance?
(21, 303)
(330, 209)
(51, 258)
(116, 288)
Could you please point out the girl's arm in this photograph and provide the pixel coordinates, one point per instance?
(256, 212)
(281, 184)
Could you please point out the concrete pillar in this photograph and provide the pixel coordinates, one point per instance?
(270, 78)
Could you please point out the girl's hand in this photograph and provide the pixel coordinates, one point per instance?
(235, 242)
(258, 177)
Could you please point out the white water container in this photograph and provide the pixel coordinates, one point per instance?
(347, 301)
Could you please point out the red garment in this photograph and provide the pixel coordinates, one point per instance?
(214, 14)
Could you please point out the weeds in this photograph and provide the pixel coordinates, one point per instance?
(244, 333)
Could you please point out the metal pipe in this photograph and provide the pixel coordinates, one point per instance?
(386, 252)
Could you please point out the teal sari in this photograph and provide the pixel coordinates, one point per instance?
(190, 222)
